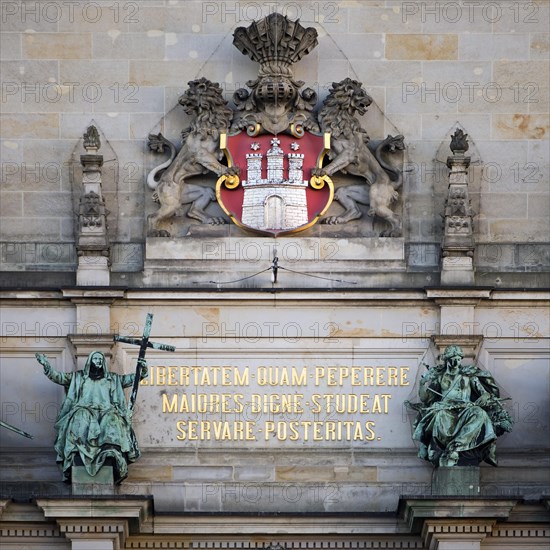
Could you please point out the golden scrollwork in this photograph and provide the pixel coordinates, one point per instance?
(318, 182)
(230, 181)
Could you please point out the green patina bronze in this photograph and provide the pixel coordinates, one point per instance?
(94, 425)
(460, 414)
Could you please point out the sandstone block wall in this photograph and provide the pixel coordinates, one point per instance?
(123, 65)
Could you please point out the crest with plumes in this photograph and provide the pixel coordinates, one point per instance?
(275, 42)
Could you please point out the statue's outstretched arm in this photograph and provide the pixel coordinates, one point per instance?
(127, 380)
(61, 378)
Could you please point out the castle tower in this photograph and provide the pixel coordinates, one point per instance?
(295, 168)
(254, 166)
(275, 157)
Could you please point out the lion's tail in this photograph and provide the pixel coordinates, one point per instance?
(390, 144)
(157, 143)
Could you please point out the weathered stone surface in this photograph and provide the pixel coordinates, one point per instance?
(457, 481)
(103, 72)
(129, 45)
(202, 473)
(525, 18)
(352, 47)
(521, 126)
(372, 19)
(46, 205)
(11, 204)
(540, 45)
(493, 47)
(100, 484)
(17, 126)
(533, 229)
(10, 45)
(426, 47)
(57, 46)
(115, 125)
(504, 205)
(510, 73)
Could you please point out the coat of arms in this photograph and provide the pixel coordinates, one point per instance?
(275, 193)
(269, 150)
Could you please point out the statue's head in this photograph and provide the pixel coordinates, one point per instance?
(97, 366)
(452, 356)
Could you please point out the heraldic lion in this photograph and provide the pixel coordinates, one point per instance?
(199, 154)
(350, 153)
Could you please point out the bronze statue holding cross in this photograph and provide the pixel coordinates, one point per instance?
(94, 425)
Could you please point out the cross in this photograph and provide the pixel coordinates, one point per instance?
(143, 344)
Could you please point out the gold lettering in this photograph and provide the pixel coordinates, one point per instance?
(319, 373)
(180, 425)
(161, 376)
(169, 407)
(330, 431)
(369, 426)
(184, 376)
(299, 379)
(316, 406)
(205, 378)
(269, 429)
(239, 380)
(404, 374)
(368, 376)
(295, 433)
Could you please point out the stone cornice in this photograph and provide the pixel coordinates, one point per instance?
(446, 296)
(136, 509)
(416, 511)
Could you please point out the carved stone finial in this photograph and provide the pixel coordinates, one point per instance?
(92, 143)
(459, 142)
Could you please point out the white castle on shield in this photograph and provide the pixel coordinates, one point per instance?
(273, 202)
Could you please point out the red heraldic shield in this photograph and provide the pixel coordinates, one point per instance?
(275, 192)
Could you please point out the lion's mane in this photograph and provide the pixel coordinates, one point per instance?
(337, 115)
(204, 100)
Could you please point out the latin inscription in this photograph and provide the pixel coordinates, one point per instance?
(286, 403)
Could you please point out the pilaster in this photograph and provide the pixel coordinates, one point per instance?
(457, 323)
(453, 523)
(455, 534)
(93, 321)
(97, 523)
